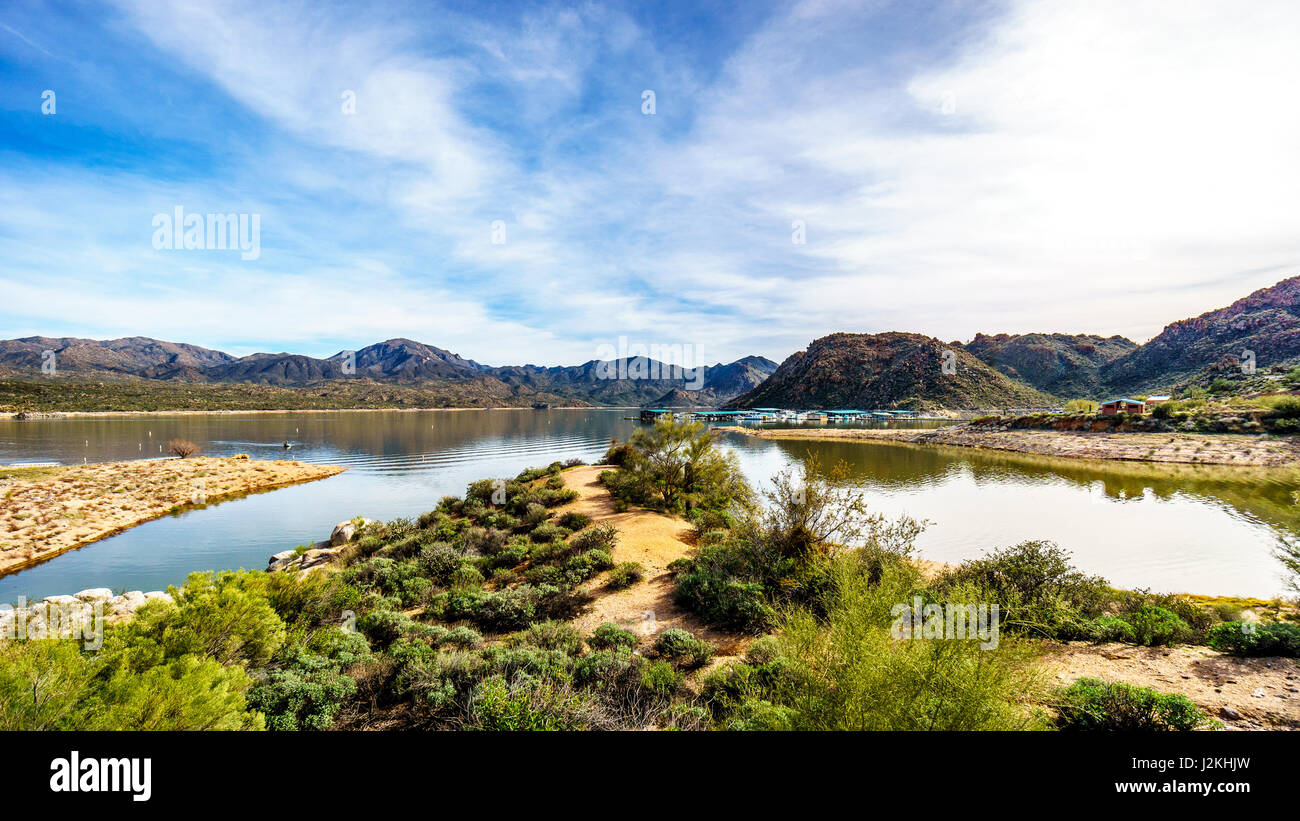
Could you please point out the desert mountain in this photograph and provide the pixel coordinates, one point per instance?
(889, 370)
(1059, 364)
(1266, 323)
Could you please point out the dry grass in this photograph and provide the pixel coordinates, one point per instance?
(46, 511)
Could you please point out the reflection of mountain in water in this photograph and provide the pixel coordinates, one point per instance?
(1261, 494)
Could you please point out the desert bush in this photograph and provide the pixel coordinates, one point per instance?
(601, 537)
(554, 635)
(1036, 588)
(610, 635)
(1091, 704)
(682, 648)
(625, 575)
(547, 532)
(573, 520)
(845, 670)
(532, 704)
(1270, 638)
(183, 448)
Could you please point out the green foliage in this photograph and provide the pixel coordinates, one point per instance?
(1091, 704)
(529, 704)
(676, 466)
(740, 578)
(1270, 638)
(554, 635)
(626, 574)
(683, 649)
(1036, 588)
(1157, 627)
(845, 671)
(611, 635)
(574, 521)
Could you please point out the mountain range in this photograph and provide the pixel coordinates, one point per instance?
(906, 370)
(400, 361)
(841, 370)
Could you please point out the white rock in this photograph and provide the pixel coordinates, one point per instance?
(60, 600)
(95, 594)
(342, 533)
(156, 595)
(133, 597)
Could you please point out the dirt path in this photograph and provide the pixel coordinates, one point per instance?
(1245, 694)
(654, 540)
(45, 511)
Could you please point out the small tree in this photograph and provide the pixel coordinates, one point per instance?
(183, 448)
(1081, 406)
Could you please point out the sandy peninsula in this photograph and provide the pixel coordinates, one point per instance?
(45, 511)
(1187, 448)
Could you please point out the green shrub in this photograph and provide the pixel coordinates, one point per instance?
(547, 532)
(1036, 588)
(530, 704)
(573, 520)
(625, 575)
(601, 537)
(554, 635)
(760, 715)
(683, 648)
(1270, 638)
(1157, 627)
(611, 635)
(763, 650)
(461, 637)
(660, 678)
(1091, 704)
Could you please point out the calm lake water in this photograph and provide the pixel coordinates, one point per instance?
(1171, 528)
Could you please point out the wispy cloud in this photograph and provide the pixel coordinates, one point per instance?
(963, 168)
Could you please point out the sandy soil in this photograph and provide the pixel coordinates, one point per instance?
(45, 511)
(1189, 448)
(1244, 694)
(654, 540)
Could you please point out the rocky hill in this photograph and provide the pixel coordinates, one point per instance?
(1059, 364)
(1196, 350)
(888, 370)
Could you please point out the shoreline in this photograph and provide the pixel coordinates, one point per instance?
(1219, 449)
(53, 510)
(37, 416)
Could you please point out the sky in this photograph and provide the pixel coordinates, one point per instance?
(532, 182)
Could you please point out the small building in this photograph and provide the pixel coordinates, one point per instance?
(1164, 397)
(655, 414)
(1125, 405)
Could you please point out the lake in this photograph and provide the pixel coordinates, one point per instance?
(1191, 528)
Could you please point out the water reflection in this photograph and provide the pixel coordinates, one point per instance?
(1170, 527)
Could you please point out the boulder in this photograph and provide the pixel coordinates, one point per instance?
(60, 600)
(344, 532)
(94, 594)
(158, 595)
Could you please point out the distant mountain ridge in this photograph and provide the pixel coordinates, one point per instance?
(394, 360)
(841, 370)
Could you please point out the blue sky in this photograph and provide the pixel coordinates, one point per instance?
(958, 167)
